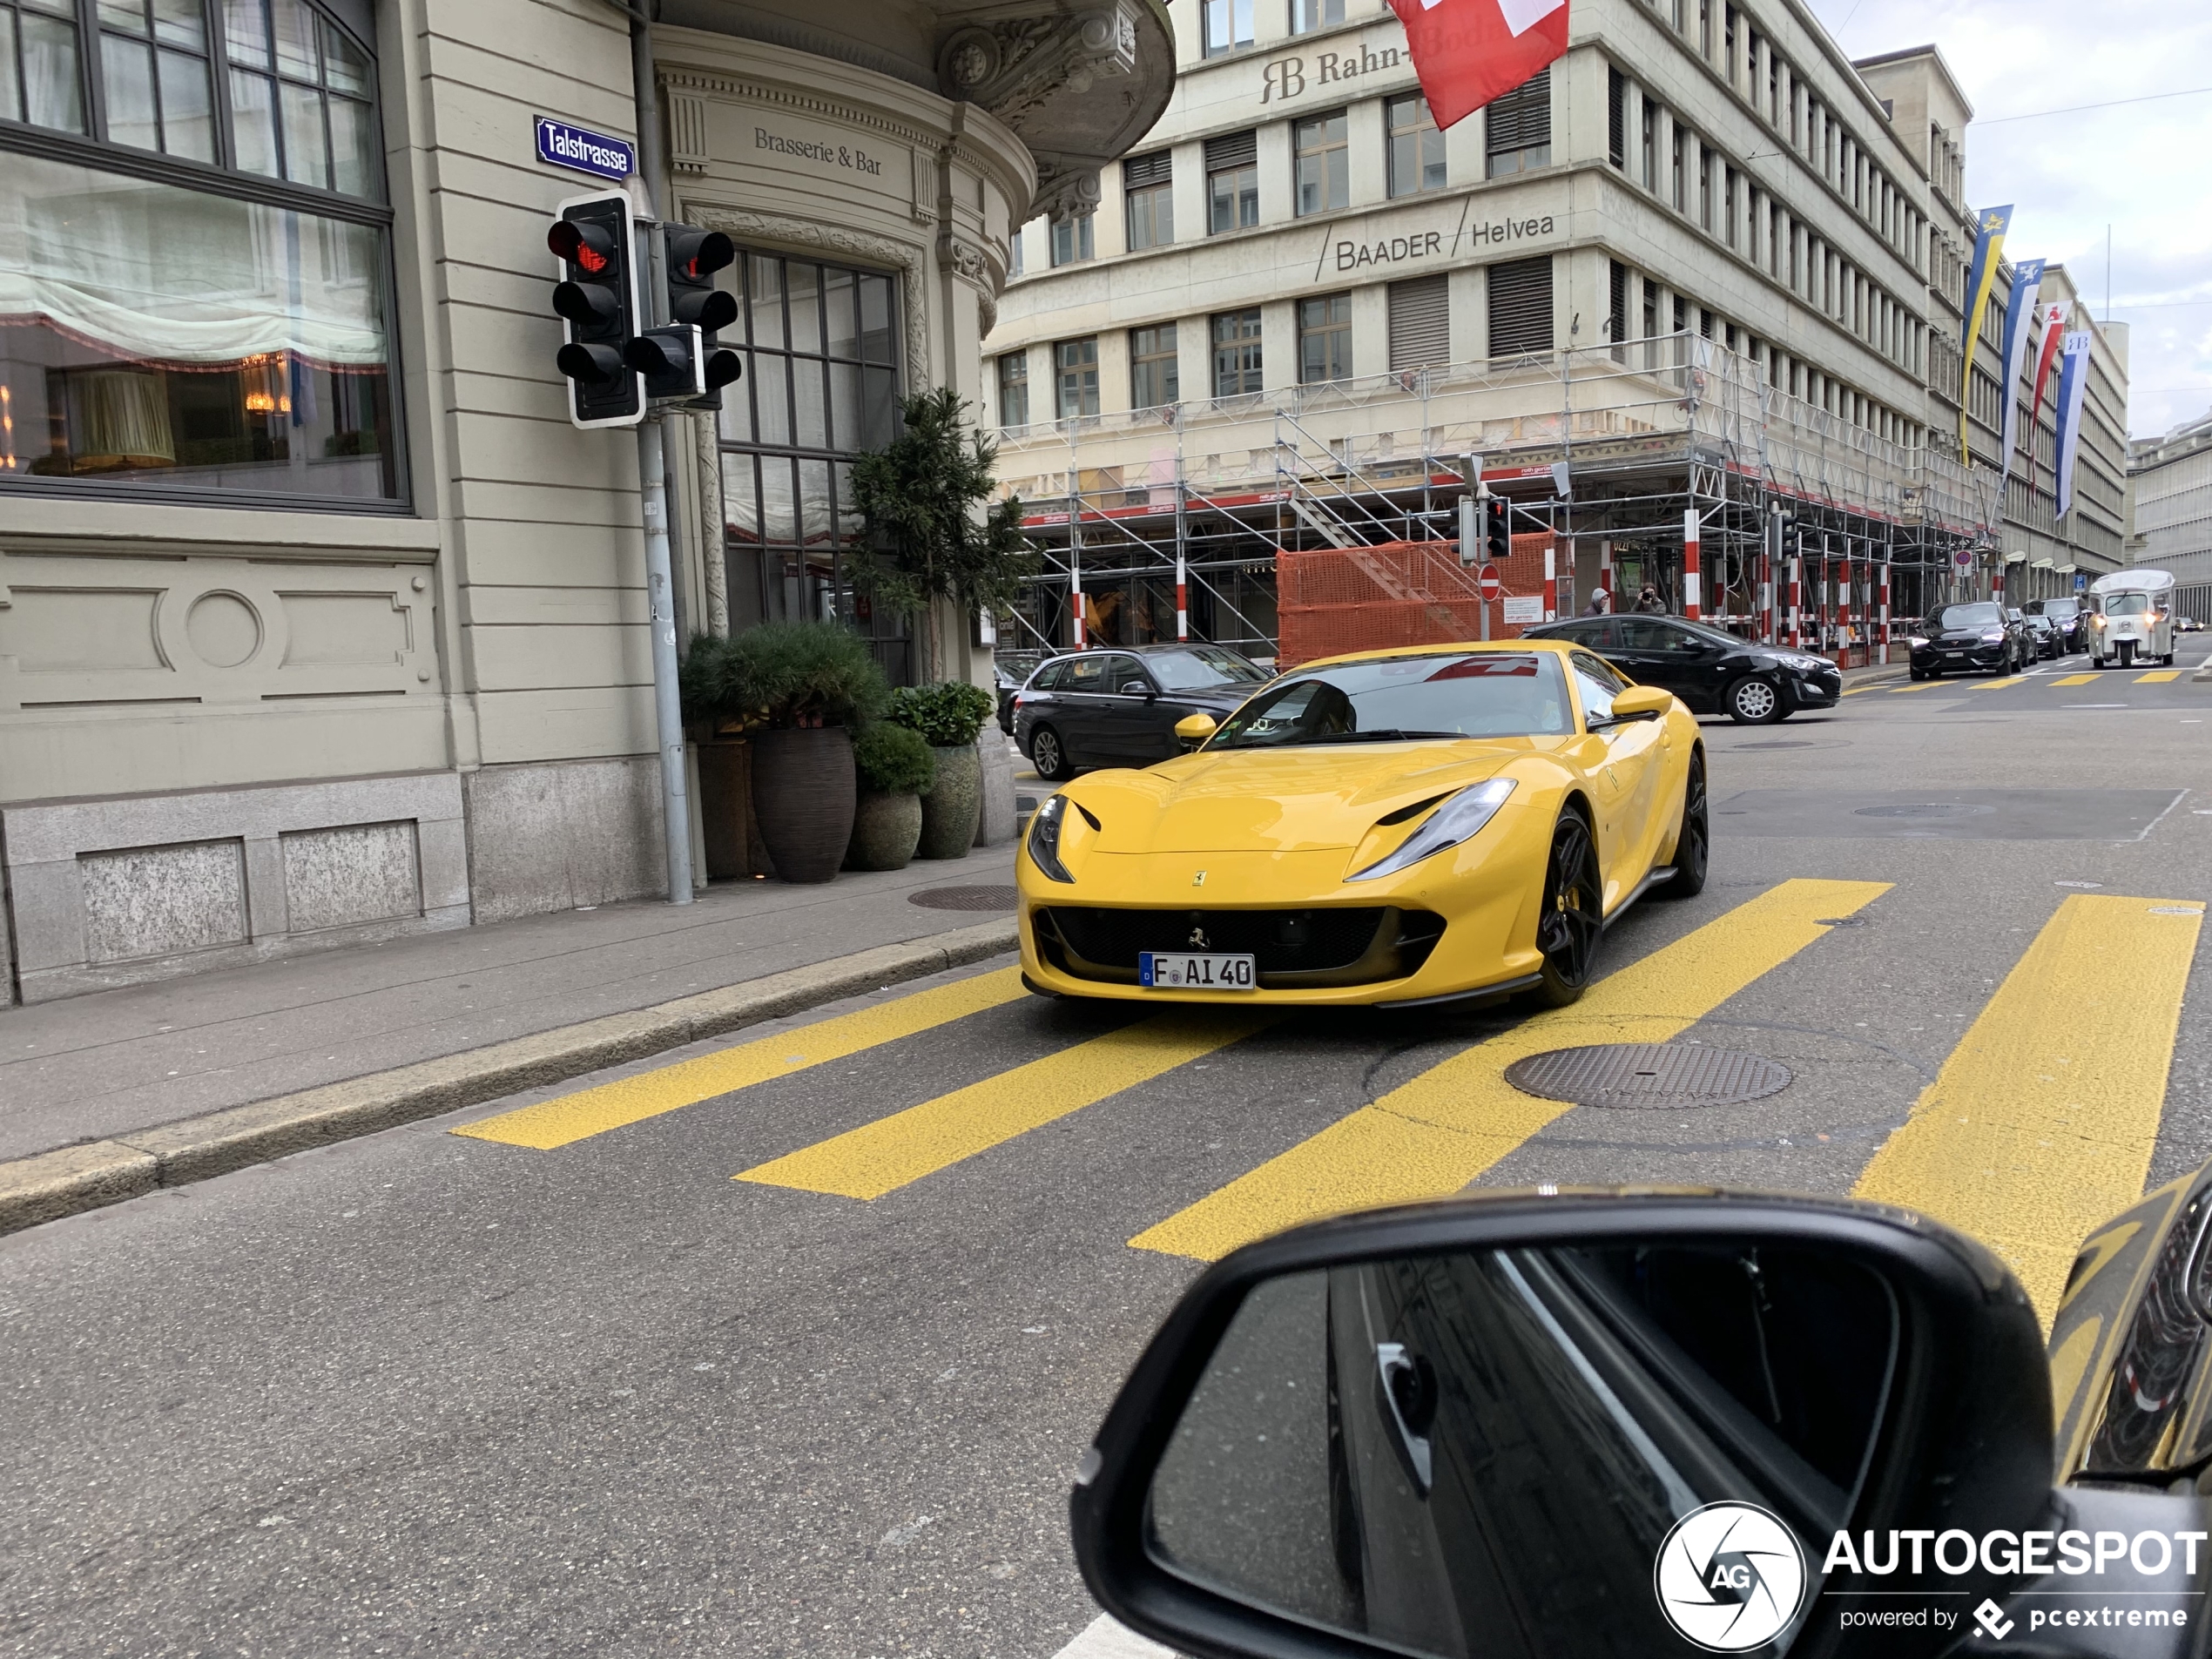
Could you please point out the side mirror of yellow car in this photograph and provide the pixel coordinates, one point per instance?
(1193, 729)
(1640, 703)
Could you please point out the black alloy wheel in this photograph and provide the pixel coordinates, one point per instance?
(1693, 837)
(1572, 918)
(1752, 701)
(1048, 755)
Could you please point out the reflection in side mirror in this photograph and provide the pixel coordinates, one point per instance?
(1596, 1423)
(1194, 729)
(1404, 1449)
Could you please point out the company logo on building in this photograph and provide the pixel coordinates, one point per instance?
(1729, 1577)
(1287, 78)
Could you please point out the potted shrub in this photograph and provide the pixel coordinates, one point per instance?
(793, 689)
(896, 769)
(947, 716)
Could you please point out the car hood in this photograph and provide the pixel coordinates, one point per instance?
(1282, 800)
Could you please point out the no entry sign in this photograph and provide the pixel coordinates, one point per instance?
(1486, 578)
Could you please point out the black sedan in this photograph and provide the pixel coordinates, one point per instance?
(1711, 670)
(1118, 707)
(2068, 616)
(1975, 636)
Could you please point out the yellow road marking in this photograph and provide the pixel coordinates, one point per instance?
(2159, 677)
(881, 1156)
(2000, 684)
(2041, 1123)
(2075, 680)
(594, 1111)
(1925, 686)
(1431, 1136)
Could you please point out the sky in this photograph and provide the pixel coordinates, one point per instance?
(2145, 169)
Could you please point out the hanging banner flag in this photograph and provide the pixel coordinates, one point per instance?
(2027, 277)
(2052, 320)
(1981, 276)
(2074, 383)
(1468, 52)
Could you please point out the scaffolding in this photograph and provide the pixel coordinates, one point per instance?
(1664, 458)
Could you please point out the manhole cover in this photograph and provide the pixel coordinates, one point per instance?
(1924, 809)
(1650, 1074)
(994, 898)
(1780, 745)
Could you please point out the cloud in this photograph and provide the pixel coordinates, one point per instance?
(2137, 168)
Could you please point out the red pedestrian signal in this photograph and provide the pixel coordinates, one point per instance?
(597, 298)
(693, 257)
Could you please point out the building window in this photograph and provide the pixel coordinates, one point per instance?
(1416, 147)
(1153, 380)
(1306, 16)
(1235, 352)
(1682, 203)
(1228, 25)
(821, 386)
(1324, 165)
(1324, 339)
(1704, 187)
(1421, 322)
(1517, 128)
(1072, 239)
(1650, 145)
(1076, 370)
(1013, 245)
(1616, 119)
(1014, 388)
(209, 311)
(1520, 307)
(1148, 188)
(1616, 321)
(1232, 182)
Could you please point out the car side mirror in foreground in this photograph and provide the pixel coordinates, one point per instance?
(1194, 729)
(1138, 688)
(1594, 1423)
(1641, 703)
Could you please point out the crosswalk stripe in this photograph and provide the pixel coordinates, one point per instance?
(881, 1156)
(594, 1111)
(2042, 1122)
(2159, 677)
(2075, 680)
(1999, 684)
(1433, 1135)
(1925, 686)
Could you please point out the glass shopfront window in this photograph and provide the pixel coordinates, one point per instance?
(820, 386)
(195, 282)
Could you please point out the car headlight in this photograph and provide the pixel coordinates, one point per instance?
(1918, 640)
(2096, 622)
(1993, 636)
(1044, 836)
(1456, 820)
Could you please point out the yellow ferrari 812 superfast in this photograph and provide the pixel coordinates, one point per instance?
(1433, 825)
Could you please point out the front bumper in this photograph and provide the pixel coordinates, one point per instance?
(1456, 924)
(1932, 659)
(1815, 690)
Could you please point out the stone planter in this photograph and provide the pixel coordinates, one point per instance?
(803, 797)
(885, 830)
(949, 810)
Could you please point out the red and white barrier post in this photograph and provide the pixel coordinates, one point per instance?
(1182, 597)
(1884, 599)
(1551, 581)
(1605, 572)
(1797, 602)
(1692, 599)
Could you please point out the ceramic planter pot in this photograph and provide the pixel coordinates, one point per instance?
(885, 830)
(950, 809)
(803, 795)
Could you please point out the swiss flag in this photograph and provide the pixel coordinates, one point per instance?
(1468, 52)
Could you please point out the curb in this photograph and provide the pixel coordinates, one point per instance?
(72, 1179)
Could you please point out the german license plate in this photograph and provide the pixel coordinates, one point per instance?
(1183, 970)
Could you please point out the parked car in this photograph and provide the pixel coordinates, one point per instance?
(2068, 614)
(1118, 707)
(1712, 672)
(1010, 670)
(1972, 637)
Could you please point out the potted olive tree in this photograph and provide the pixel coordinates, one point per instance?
(946, 716)
(792, 688)
(896, 769)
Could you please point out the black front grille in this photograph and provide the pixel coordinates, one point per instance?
(1323, 945)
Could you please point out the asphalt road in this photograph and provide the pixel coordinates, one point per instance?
(427, 1393)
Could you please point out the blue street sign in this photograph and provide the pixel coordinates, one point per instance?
(584, 151)
(2082, 581)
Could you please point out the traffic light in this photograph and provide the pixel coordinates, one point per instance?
(1497, 533)
(596, 297)
(694, 256)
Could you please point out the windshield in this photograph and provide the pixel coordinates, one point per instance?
(1194, 670)
(2126, 604)
(2060, 608)
(1977, 616)
(1487, 694)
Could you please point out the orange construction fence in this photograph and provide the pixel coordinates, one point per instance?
(1331, 600)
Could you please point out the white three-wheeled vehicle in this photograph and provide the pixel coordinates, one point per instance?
(2133, 618)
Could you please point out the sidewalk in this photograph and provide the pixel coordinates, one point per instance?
(114, 1062)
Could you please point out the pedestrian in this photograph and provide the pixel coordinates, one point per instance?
(1598, 605)
(1649, 602)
